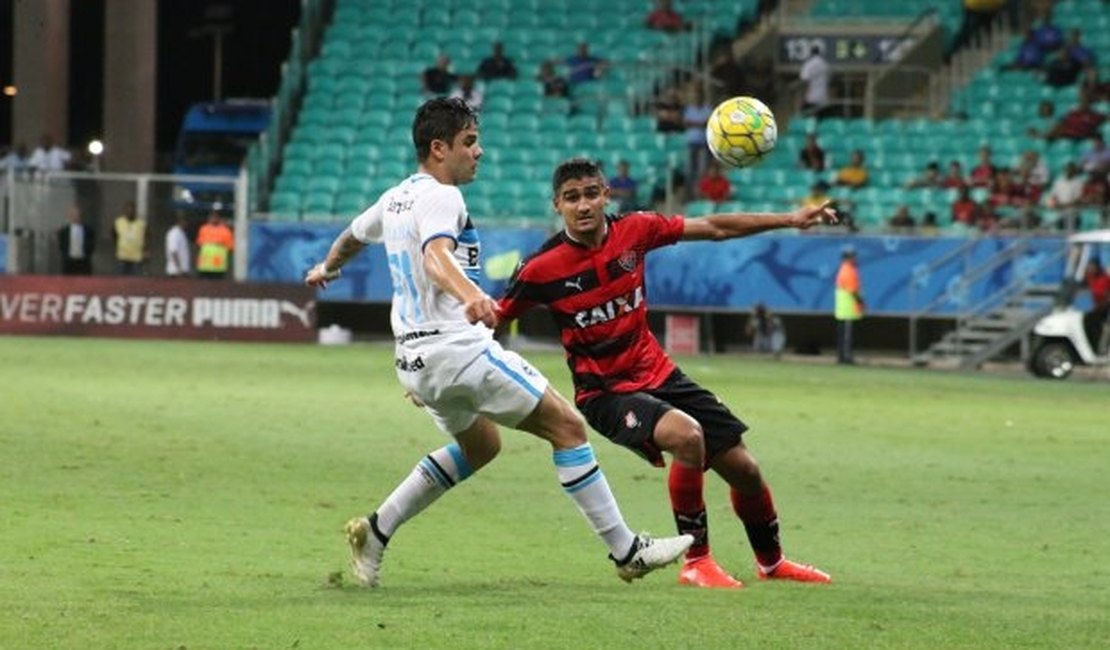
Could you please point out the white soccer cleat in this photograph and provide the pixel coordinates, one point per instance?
(648, 554)
(366, 551)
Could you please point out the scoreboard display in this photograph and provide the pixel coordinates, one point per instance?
(855, 49)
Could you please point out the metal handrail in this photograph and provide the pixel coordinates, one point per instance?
(961, 251)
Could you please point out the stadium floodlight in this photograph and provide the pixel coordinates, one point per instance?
(96, 147)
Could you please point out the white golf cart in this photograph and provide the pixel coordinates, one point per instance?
(1070, 336)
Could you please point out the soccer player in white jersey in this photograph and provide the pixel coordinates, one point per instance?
(448, 361)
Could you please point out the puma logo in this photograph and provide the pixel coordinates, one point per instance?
(295, 311)
(576, 283)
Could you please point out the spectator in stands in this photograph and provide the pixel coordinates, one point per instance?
(989, 220)
(668, 112)
(694, 117)
(766, 331)
(815, 73)
(1029, 56)
(854, 174)
(622, 188)
(48, 157)
(554, 85)
(930, 177)
(1094, 89)
(929, 226)
(1046, 117)
(664, 18)
(1049, 36)
(954, 179)
(130, 235)
(16, 160)
(1067, 189)
(1078, 52)
(1004, 191)
(812, 156)
(1097, 159)
(1080, 123)
(496, 65)
(438, 78)
(76, 242)
(1095, 190)
(983, 174)
(1032, 173)
(1061, 70)
(902, 220)
(469, 92)
(584, 66)
(965, 209)
(818, 194)
(713, 185)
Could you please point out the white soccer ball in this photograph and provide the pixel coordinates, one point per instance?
(741, 131)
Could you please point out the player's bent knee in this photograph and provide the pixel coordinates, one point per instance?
(682, 436)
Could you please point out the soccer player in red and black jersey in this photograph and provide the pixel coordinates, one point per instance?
(591, 277)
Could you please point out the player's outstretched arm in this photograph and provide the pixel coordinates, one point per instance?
(345, 246)
(444, 270)
(743, 224)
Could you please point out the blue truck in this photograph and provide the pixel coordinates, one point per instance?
(213, 141)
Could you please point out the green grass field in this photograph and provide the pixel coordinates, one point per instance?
(192, 495)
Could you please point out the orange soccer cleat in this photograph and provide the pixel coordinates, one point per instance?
(788, 570)
(705, 572)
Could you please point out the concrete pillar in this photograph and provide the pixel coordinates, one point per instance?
(130, 54)
(41, 70)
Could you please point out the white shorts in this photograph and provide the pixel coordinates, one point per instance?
(458, 380)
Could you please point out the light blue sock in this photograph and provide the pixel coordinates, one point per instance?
(436, 473)
(584, 482)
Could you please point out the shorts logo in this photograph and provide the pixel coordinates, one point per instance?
(405, 364)
(627, 260)
(631, 421)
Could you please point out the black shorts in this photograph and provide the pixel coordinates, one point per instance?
(629, 419)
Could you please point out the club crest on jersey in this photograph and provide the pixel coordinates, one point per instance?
(627, 260)
(631, 421)
(610, 310)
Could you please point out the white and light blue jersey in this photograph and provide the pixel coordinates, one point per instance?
(406, 218)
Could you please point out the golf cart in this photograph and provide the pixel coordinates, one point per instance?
(1070, 335)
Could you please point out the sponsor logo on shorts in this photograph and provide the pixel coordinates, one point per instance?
(406, 364)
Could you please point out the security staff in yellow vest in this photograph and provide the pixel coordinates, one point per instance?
(849, 304)
(130, 236)
(215, 241)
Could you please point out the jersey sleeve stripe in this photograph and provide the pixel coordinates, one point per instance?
(448, 235)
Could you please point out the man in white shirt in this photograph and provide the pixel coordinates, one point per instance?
(177, 249)
(1065, 194)
(448, 361)
(815, 72)
(47, 157)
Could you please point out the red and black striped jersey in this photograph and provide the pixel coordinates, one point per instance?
(599, 302)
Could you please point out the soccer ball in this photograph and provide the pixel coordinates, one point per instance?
(741, 131)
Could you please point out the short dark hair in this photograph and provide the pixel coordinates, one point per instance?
(575, 168)
(440, 118)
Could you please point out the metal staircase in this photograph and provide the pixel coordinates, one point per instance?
(978, 339)
(988, 328)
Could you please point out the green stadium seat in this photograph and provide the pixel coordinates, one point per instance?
(285, 203)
